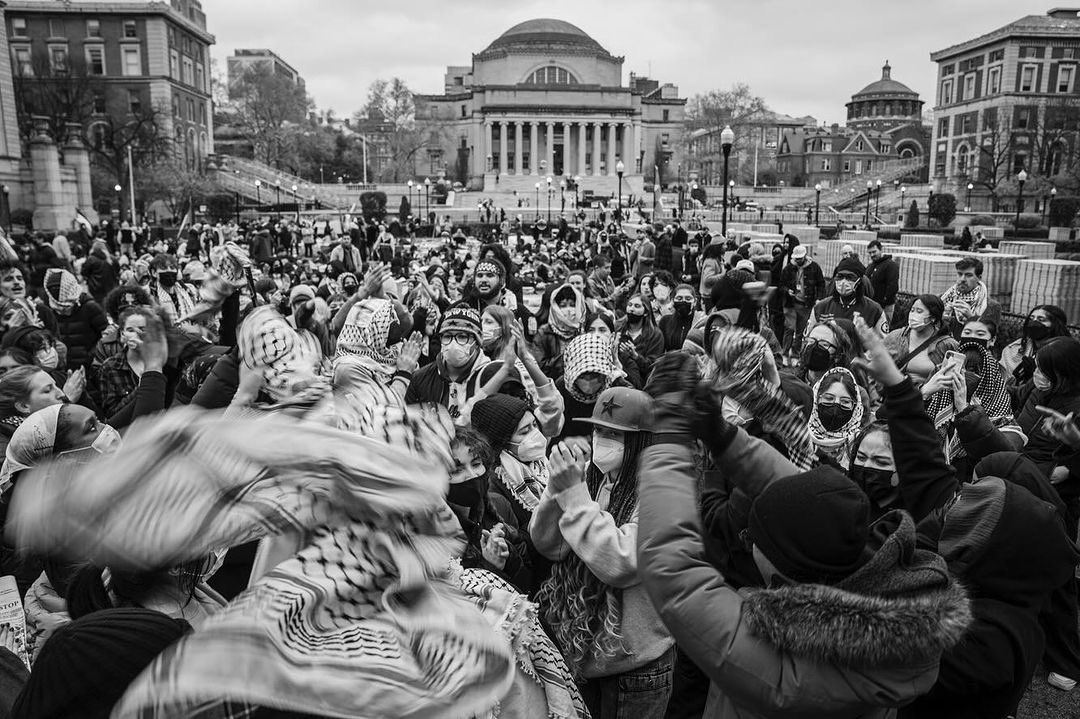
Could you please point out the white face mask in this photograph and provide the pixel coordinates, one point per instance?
(662, 293)
(489, 336)
(570, 314)
(1040, 380)
(108, 441)
(457, 356)
(607, 454)
(845, 287)
(47, 359)
(532, 448)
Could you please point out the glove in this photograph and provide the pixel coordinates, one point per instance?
(1025, 370)
(708, 424)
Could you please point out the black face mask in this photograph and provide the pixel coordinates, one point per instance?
(166, 278)
(1037, 331)
(634, 318)
(877, 483)
(816, 358)
(980, 341)
(684, 309)
(465, 494)
(833, 416)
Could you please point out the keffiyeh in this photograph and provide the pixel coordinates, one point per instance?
(526, 481)
(361, 622)
(836, 440)
(267, 341)
(588, 353)
(563, 323)
(363, 337)
(990, 393)
(62, 289)
(737, 371)
(977, 299)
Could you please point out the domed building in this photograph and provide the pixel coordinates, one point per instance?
(546, 99)
(891, 107)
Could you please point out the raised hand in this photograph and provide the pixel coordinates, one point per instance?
(878, 361)
(409, 357)
(568, 461)
(1061, 427)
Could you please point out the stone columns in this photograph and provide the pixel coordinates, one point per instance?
(596, 149)
(504, 126)
(517, 148)
(77, 158)
(49, 211)
(489, 145)
(635, 158)
(611, 148)
(549, 152)
(534, 148)
(581, 147)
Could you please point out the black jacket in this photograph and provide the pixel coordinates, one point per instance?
(81, 330)
(813, 282)
(884, 277)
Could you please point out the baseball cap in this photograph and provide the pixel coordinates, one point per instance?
(623, 409)
(799, 252)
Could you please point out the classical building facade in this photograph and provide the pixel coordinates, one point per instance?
(884, 124)
(545, 99)
(1008, 100)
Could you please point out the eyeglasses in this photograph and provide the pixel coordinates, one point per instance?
(461, 339)
(830, 400)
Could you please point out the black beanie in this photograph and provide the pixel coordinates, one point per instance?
(86, 666)
(852, 265)
(812, 526)
(497, 418)
(727, 293)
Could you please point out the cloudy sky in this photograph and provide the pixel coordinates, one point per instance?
(804, 58)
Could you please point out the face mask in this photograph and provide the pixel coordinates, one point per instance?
(662, 293)
(571, 315)
(1041, 381)
(845, 287)
(916, 322)
(801, 261)
(980, 341)
(457, 356)
(634, 317)
(1037, 331)
(879, 484)
(833, 416)
(607, 454)
(816, 358)
(684, 309)
(466, 493)
(487, 337)
(107, 442)
(167, 279)
(532, 448)
(47, 359)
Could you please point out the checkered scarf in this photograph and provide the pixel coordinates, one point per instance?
(977, 299)
(231, 262)
(557, 320)
(62, 289)
(31, 442)
(177, 305)
(844, 437)
(587, 353)
(266, 340)
(990, 393)
(364, 334)
(362, 621)
(736, 371)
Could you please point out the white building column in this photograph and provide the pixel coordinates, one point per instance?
(549, 151)
(517, 147)
(534, 148)
(489, 144)
(596, 149)
(636, 149)
(503, 128)
(611, 149)
(581, 126)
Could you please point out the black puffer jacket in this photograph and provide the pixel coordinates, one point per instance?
(81, 330)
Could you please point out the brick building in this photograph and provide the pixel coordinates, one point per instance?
(242, 60)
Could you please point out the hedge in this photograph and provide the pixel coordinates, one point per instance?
(1063, 210)
(943, 208)
(1027, 221)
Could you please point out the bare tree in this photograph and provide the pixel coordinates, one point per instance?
(266, 108)
(143, 130)
(389, 115)
(62, 91)
(711, 112)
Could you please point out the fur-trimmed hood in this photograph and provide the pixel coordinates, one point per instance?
(900, 609)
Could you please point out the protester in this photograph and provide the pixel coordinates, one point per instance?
(849, 298)
(921, 346)
(884, 276)
(802, 284)
(969, 298)
(565, 322)
(638, 337)
(1042, 325)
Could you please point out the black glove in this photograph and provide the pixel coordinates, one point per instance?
(708, 423)
(419, 320)
(1024, 371)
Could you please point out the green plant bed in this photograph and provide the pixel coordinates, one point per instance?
(1035, 233)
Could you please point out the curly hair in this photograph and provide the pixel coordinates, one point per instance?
(585, 614)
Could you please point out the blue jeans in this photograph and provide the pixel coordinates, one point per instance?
(640, 693)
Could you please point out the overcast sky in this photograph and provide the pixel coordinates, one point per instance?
(803, 58)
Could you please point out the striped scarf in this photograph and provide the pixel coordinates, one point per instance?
(362, 621)
(737, 357)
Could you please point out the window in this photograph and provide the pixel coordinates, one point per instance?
(132, 61)
(99, 104)
(56, 28)
(1065, 78)
(997, 56)
(130, 30)
(869, 165)
(1031, 51)
(187, 70)
(551, 76)
(989, 119)
(946, 70)
(859, 146)
(176, 106)
(665, 139)
(23, 65)
(858, 167)
(969, 86)
(946, 92)
(885, 148)
(993, 80)
(1027, 78)
(191, 110)
(463, 111)
(134, 104)
(826, 165)
(200, 77)
(1068, 53)
(826, 146)
(93, 28)
(667, 115)
(459, 80)
(18, 27)
(98, 135)
(58, 57)
(1023, 118)
(847, 165)
(202, 113)
(174, 64)
(943, 127)
(95, 60)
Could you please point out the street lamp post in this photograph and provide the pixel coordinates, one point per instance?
(258, 195)
(929, 205)
(277, 198)
(877, 199)
(620, 168)
(1053, 194)
(903, 190)
(410, 186)
(7, 208)
(427, 202)
(869, 191)
(970, 187)
(817, 205)
(537, 202)
(562, 196)
(119, 202)
(549, 180)
(297, 199)
(577, 193)
(1021, 178)
(727, 139)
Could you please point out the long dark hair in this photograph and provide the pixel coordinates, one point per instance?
(585, 614)
(87, 592)
(1059, 360)
(936, 309)
(1059, 324)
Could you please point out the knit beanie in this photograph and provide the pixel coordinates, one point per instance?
(852, 265)
(497, 418)
(812, 526)
(461, 318)
(86, 666)
(727, 293)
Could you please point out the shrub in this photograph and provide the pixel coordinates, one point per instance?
(912, 219)
(943, 208)
(404, 210)
(1063, 210)
(1027, 221)
(981, 221)
(373, 205)
(698, 194)
(23, 217)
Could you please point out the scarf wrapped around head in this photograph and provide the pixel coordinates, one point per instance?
(588, 353)
(31, 443)
(977, 299)
(736, 370)
(562, 325)
(990, 393)
(267, 341)
(364, 336)
(362, 621)
(62, 289)
(843, 437)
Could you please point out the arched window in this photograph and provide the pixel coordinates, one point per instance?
(962, 160)
(551, 75)
(1055, 159)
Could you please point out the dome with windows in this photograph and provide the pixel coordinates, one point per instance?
(884, 103)
(544, 33)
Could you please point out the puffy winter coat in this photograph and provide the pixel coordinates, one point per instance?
(81, 330)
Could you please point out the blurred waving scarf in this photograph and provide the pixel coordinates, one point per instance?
(364, 334)
(362, 622)
(267, 341)
(737, 358)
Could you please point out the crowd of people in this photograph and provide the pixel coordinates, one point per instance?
(277, 471)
